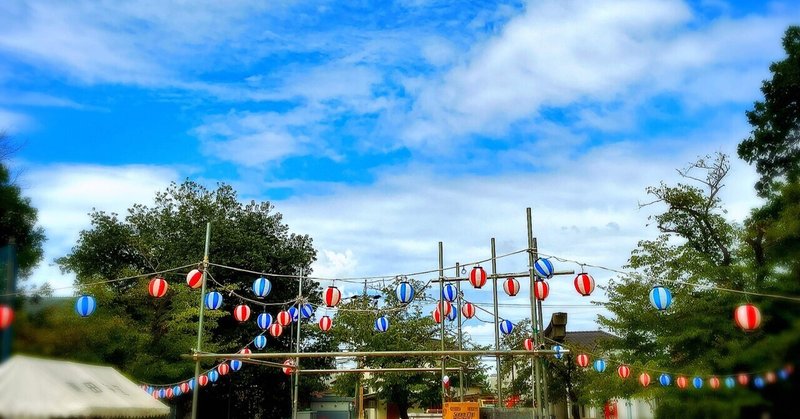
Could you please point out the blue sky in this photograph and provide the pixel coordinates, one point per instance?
(381, 128)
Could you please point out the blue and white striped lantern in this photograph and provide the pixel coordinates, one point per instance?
(665, 380)
(449, 292)
(236, 365)
(660, 297)
(294, 312)
(85, 306)
(262, 287)
(730, 382)
(759, 382)
(191, 384)
(404, 292)
(697, 382)
(213, 300)
(306, 310)
(506, 327)
(558, 351)
(177, 391)
(162, 393)
(381, 324)
(599, 365)
(213, 376)
(264, 321)
(453, 314)
(783, 374)
(260, 341)
(543, 268)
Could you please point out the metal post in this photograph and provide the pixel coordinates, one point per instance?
(10, 290)
(546, 397)
(196, 391)
(535, 373)
(296, 376)
(442, 316)
(496, 327)
(460, 337)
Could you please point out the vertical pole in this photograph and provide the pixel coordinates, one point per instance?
(196, 391)
(535, 373)
(295, 392)
(442, 315)
(460, 336)
(10, 289)
(496, 328)
(545, 395)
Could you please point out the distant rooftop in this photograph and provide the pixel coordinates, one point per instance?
(588, 339)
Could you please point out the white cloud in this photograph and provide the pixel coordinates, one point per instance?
(12, 122)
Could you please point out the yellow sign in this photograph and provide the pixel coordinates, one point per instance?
(464, 410)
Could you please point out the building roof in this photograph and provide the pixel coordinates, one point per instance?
(588, 339)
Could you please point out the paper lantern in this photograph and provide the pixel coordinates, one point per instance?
(191, 383)
(660, 297)
(162, 393)
(644, 379)
(158, 287)
(623, 371)
(747, 317)
(697, 382)
(203, 380)
(770, 377)
(241, 313)
(445, 307)
(713, 382)
(213, 300)
(170, 392)
(541, 290)
(275, 330)
(236, 365)
(284, 318)
(783, 374)
(332, 296)
(582, 360)
(437, 315)
(245, 351)
(449, 292)
(506, 327)
(543, 268)
(262, 287)
(681, 382)
(529, 344)
(730, 382)
(558, 351)
(468, 310)
(758, 382)
(213, 376)
(184, 386)
(223, 368)
(288, 367)
(177, 391)
(6, 316)
(260, 342)
(511, 286)
(381, 324)
(325, 323)
(477, 277)
(584, 284)
(599, 365)
(294, 313)
(453, 313)
(743, 379)
(404, 292)
(264, 321)
(446, 381)
(664, 380)
(85, 306)
(194, 279)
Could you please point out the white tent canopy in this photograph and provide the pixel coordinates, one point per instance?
(42, 388)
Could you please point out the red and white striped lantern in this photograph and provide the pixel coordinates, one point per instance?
(681, 382)
(203, 380)
(624, 371)
(713, 382)
(241, 312)
(184, 387)
(584, 284)
(644, 379)
(511, 286)
(477, 277)
(284, 318)
(529, 344)
(223, 368)
(747, 317)
(246, 351)
(158, 287)
(742, 379)
(170, 393)
(6, 316)
(275, 330)
(770, 377)
(541, 290)
(288, 368)
(582, 360)
(332, 296)
(325, 323)
(437, 315)
(194, 279)
(468, 310)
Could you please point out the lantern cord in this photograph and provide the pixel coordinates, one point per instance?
(260, 303)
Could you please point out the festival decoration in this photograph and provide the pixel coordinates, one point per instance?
(664, 380)
(241, 313)
(557, 349)
(506, 327)
(213, 300)
(449, 292)
(170, 393)
(262, 287)
(158, 287)
(713, 382)
(191, 384)
(275, 330)
(284, 318)
(437, 315)
(770, 377)
(85, 306)
(6, 316)
(184, 387)
(623, 371)
(223, 368)
(453, 313)
(213, 376)
(236, 365)
(325, 323)
(381, 324)
(194, 279)
(743, 379)
(697, 382)
(245, 351)
(528, 344)
(582, 360)
(599, 365)
(747, 317)
(541, 290)
(730, 382)
(294, 313)
(288, 367)
(660, 298)
(758, 382)
(644, 379)
(468, 310)
(446, 381)
(783, 374)
(511, 286)
(445, 307)
(584, 284)
(203, 380)
(176, 390)
(404, 292)
(477, 277)
(681, 382)
(332, 296)
(264, 321)
(260, 341)
(543, 268)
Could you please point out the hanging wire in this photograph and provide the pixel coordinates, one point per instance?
(235, 294)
